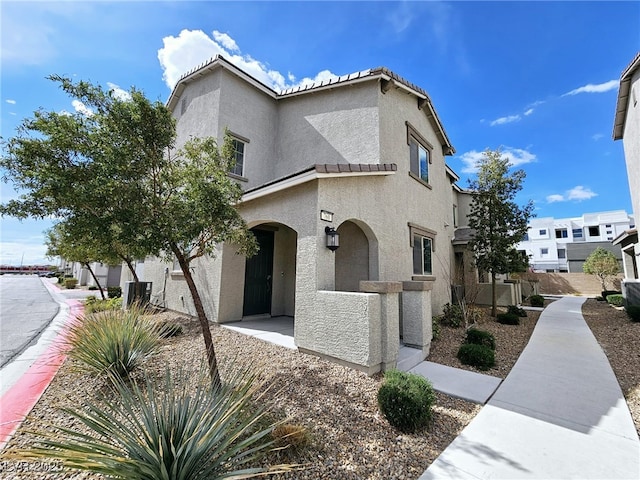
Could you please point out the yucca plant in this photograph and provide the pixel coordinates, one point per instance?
(166, 430)
(113, 342)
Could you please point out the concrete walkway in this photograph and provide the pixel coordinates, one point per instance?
(559, 414)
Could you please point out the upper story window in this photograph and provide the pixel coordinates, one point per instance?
(455, 215)
(594, 231)
(423, 245)
(526, 237)
(419, 154)
(577, 232)
(543, 231)
(562, 253)
(561, 233)
(544, 251)
(239, 147)
(238, 153)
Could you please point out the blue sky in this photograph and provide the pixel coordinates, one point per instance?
(538, 79)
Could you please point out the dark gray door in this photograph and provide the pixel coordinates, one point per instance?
(258, 276)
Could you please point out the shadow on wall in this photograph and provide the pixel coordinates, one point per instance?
(573, 284)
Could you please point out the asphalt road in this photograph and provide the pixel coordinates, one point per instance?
(26, 308)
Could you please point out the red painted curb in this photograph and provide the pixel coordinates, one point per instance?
(18, 401)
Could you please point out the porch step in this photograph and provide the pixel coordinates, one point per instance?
(408, 358)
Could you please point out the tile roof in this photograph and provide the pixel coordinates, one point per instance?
(388, 78)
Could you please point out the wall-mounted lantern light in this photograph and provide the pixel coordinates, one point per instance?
(333, 238)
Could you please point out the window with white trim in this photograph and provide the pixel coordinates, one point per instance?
(238, 154)
(419, 154)
(423, 245)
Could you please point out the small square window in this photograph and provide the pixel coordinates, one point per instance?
(543, 231)
(544, 251)
(594, 231)
(562, 253)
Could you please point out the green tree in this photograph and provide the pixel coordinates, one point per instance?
(603, 264)
(498, 222)
(116, 169)
(81, 247)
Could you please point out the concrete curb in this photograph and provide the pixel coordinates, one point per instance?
(21, 397)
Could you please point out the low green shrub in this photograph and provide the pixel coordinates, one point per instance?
(168, 329)
(405, 399)
(480, 337)
(114, 292)
(113, 342)
(451, 316)
(606, 293)
(435, 328)
(633, 311)
(95, 305)
(616, 300)
(508, 319)
(159, 429)
(70, 283)
(536, 300)
(515, 310)
(479, 356)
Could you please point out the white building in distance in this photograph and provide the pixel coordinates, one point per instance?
(563, 244)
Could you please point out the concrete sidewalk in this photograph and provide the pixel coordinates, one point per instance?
(559, 414)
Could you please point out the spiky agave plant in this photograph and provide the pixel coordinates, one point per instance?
(175, 429)
(113, 342)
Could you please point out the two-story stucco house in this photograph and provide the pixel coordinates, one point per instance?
(626, 127)
(362, 155)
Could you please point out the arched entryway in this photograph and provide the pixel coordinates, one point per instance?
(270, 275)
(355, 259)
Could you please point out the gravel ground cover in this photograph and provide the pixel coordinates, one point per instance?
(620, 341)
(349, 438)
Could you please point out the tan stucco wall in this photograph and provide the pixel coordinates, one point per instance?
(631, 143)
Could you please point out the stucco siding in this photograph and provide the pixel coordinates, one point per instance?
(336, 126)
(631, 144)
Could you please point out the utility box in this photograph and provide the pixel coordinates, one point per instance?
(136, 292)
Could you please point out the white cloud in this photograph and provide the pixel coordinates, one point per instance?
(118, 92)
(591, 88)
(528, 112)
(192, 48)
(503, 120)
(577, 193)
(555, 198)
(12, 102)
(81, 108)
(516, 157)
(597, 136)
(580, 193)
(226, 41)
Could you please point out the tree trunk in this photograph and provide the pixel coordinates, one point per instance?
(131, 269)
(202, 316)
(494, 296)
(95, 279)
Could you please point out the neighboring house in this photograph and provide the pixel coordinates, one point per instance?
(627, 128)
(563, 244)
(108, 276)
(362, 155)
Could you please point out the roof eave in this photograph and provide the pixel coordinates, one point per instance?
(623, 97)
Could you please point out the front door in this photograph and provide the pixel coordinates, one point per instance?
(258, 276)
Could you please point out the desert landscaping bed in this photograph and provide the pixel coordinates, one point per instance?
(349, 437)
